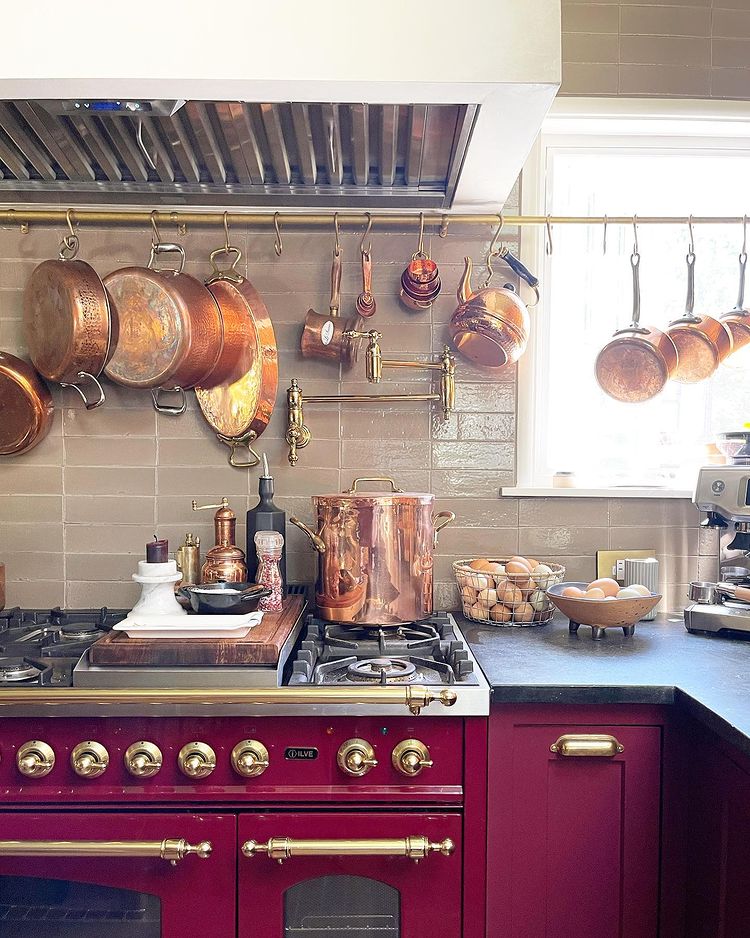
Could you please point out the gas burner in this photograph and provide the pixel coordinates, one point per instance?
(18, 670)
(382, 671)
(80, 631)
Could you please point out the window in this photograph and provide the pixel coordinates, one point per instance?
(635, 164)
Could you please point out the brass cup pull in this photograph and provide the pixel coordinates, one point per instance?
(89, 759)
(587, 744)
(173, 849)
(283, 848)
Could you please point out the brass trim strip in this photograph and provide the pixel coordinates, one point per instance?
(413, 696)
(598, 745)
(172, 849)
(283, 848)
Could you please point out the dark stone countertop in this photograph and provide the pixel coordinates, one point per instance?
(663, 663)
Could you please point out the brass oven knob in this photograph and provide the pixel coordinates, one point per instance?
(249, 758)
(143, 759)
(356, 757)
(410, 757)
(196, 760)
(89, 759)
(35, 759)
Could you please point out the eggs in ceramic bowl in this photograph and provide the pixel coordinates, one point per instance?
(597, 605)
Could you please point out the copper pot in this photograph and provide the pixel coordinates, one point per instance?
(26, 410)
(702, 342)
(375, 554)
(170, 328)
(326, 337)
(636, 364)
(738, 319)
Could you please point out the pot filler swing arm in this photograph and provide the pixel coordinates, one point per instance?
(298, 434)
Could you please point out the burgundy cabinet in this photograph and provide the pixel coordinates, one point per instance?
(573, 839)
(343, 875)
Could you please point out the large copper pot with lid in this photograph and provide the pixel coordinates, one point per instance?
(375, 554)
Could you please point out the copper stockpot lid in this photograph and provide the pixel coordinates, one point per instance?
(355, 495)
(26, 409)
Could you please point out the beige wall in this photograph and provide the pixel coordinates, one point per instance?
(673, 48)
(76, 511)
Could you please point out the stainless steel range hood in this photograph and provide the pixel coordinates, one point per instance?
(298, 107)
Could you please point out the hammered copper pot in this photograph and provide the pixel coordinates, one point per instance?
(375, 554)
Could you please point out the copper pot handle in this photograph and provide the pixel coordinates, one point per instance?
(229, 273)
(157, 248)
(85, 376)
(174, 409)
(233, 442)
(446, 518)
(335, 284)
(315, 539)
(355, 483)
(689, 316)
(741, 292)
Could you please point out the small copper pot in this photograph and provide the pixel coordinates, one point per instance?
(26, 410)
(325, 337)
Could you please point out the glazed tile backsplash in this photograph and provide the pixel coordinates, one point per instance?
(76, 511)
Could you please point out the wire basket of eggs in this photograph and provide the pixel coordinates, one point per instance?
(507, 592)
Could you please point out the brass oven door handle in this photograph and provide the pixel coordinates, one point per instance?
(172, 849)
(587, 744)
(283, 848)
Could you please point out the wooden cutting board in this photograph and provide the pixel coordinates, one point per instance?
(261, 646)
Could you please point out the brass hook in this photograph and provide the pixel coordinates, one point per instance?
(443, 233)
(69, 246)
(337, 246)
(368, 229)
(69, 220)
(604, 239)
(278, 245)
(155, 236)
(225, 219)
(420, 244)
(548, 229)
(691, 248)
(636, 252)
(496, 236)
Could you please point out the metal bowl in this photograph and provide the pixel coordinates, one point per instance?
(226, 598)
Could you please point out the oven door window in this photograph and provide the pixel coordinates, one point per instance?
(57, 908)
(342, 907)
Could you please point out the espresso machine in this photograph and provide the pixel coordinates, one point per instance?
(723, 492)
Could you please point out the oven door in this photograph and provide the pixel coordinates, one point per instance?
(111, 875)
(350, 875)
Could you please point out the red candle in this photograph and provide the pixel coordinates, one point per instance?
(157, 551)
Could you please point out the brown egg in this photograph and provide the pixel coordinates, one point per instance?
(480, 581)
(523, 613)
(532, 563)
(497, 569)
(480, 564)
(508, 593)
(573, 591)
(594, 593)
(522, 560)
(468, 595)
(527, 587)
(515, 571)
(500, 613)
(479, 611)
(606, 584)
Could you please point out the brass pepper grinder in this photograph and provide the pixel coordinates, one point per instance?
(225, 561)
(188, 557)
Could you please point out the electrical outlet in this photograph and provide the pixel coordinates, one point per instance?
(611, 563)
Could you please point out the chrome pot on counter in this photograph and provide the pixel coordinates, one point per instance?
(375, 554)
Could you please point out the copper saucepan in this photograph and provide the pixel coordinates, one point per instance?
(637, 363)
(702, 342)
(70, 332)
(170, 328)
(26, 409)
(737, 320)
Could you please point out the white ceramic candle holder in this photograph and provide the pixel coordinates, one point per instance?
(157, 589)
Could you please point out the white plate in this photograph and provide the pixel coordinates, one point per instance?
(192, 626)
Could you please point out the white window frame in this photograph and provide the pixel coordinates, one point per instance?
(620, 123)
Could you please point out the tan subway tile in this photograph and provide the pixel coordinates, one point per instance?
(12, 337)
(491, 427)
(479, 483)
(666, 50)
(464, 455)
(109, 538)
(730, 53)
(676, 598)
(102, 480)
(645, 512)
(25, 537)
(320, 453)
(301, 566)
(47, 453)
(206, 452)
(176, 509)
(589, 47)
(444, 429)
(22, 508)
(222, 480)
(485, 398)
(543, 541)
(589, 18)
(577, 569)
(465, 543)
(303, 481)
(38, 594)
(39, 243)
(15, 272)
(101, 566)
(704, 568)
(731, 24)
(675, 80)
(34, 565)
(680, 569)
(652, 20)
(123, 509)
(730, 4)
(397, 422)
(480, 512)
(389, 455)
(11, 304)
(577, 511)
(445, 596)
(190, 425)
(112, 594)
(664, 540)
(730, 83)
(106, 421)
(30, 480)
(708, 542)
(110, 451)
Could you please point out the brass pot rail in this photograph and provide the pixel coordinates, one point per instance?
(172, 849)
(298, 435)
(283, 848)
(413, 696)
(441, 220)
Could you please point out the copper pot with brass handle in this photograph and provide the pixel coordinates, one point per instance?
(26, 409)
(375, 554)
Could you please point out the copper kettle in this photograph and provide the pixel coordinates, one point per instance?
(490, 326)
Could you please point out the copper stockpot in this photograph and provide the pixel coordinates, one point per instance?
(375, 554)
(636, 364)
(170, 328)
(70, 333)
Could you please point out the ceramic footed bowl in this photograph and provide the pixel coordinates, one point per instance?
(601, 613)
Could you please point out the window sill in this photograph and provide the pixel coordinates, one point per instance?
(631, 492)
